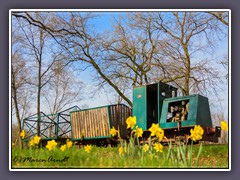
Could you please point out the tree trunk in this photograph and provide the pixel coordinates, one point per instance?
(188, 70)
(38, 99)
(17, 111)
(39, 81)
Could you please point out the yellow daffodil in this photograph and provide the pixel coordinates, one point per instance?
(120, 150)
(22, 134)
(224, 125)
(63, 147)
(154, 129)
(157, 131)
(51, 145)
(196, 133)
(87, 148)
(151, 156)
(160, 134)
(31, 142)
(131, 122)
(36, 139)
(113, 132)
(158, 147)
(138, 132)
(145, 147)
(69, 144)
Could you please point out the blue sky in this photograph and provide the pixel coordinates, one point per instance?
(104, 21)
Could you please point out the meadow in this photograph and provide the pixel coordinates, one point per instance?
(132, 154)
(212, 156)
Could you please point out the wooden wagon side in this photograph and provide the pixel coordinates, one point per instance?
(95, 123)
(90, 124)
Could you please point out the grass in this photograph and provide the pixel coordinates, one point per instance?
(212, 156)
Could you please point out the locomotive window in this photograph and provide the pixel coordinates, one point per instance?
(169, 116)
(178, 111)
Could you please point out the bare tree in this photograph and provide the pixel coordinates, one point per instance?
(40, 58)
(145, 47)
(188, 34)
(63, 89)
(128, 53)
(18, 77)
(73, 33)
(15, 86)
(221, 16)
(149, 47)
(20, 98)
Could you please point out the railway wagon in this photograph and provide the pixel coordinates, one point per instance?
(93, 125)
(82, 126)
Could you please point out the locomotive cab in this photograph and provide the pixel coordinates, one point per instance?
(148, 100)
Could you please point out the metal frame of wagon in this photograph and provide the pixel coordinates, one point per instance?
(54, 120)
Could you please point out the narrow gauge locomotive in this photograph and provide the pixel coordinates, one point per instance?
(153, 103)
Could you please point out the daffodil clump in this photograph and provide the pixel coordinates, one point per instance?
(66, 146)
(156, 137)
(182, 154)
(158, 147)
(51, 145)
(35, 141)
(157, 132)
(142, 149)
(131, 123)
(121, 150)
